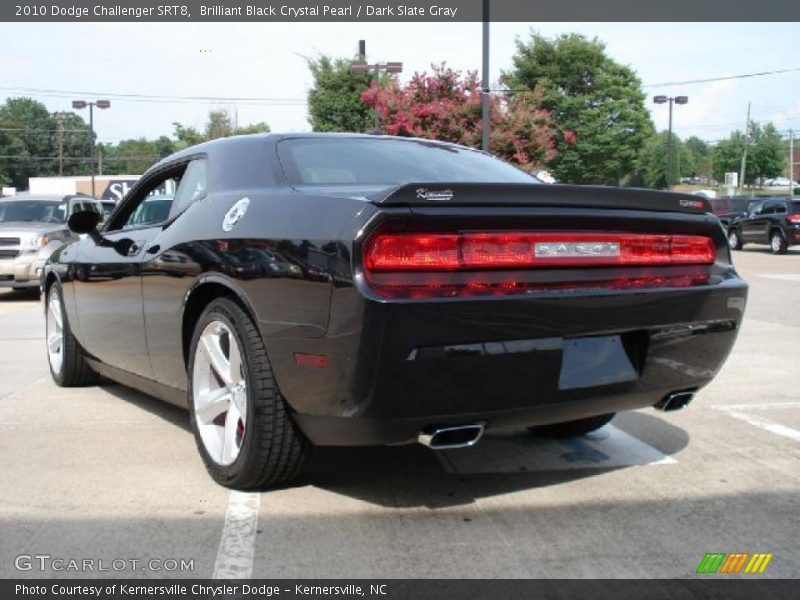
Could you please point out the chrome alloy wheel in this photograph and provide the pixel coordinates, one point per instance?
(219, 393)
(776, 242)
(733, 239)
(55, 331)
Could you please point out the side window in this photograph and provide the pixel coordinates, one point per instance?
(149, 205)
(192, 186)
(769, 209)
(780, 209)
(755, 208)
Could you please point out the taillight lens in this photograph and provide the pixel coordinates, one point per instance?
(414, 252)
(793, 218)
(519, 250)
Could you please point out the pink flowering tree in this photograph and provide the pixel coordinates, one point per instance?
(445, 105)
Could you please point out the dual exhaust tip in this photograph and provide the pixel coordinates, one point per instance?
(465, 436)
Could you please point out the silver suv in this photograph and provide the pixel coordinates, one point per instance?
(32, 227)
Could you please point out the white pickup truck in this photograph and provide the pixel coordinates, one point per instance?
(32, 227)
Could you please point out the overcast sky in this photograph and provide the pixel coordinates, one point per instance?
(266, 60)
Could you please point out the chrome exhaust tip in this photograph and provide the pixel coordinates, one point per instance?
(675, 400)
(448, 438)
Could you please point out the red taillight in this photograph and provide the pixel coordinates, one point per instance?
(412, 252)
(519, 250)
(793, 218)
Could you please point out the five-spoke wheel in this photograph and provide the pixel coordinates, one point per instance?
(241, 423)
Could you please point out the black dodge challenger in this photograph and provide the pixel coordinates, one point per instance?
(334, 289)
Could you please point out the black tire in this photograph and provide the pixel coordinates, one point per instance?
(735, 240)
(570, 429)
(272, 449)
(777, 243)
(74, 371)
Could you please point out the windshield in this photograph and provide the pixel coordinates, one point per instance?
(35, 210)
(390, 162)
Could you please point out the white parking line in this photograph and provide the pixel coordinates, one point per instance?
(237, 545)
(518, 452)
(760, 422)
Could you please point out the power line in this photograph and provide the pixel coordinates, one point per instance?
(687, 82)
(78, 158)
(157, 98)
(711, 79)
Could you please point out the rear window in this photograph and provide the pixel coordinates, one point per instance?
(390, 162)
(795, 206)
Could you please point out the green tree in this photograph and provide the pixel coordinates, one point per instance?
(701, 157)
(27, 141)
(220, 124)
(334, 100)
(765, 154)
(652, 163)
(590, 94)
(186, 136)
(766, 158)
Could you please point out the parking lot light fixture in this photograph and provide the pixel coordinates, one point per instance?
(670, 100)
(81, 104)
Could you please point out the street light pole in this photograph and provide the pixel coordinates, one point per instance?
(81, 104)
(669, 146)
(670, 100)
(485, 105)
(91, 135)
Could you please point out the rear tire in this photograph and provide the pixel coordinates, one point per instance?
(68, 367)
(735, 240)
(777, 243)
(240, 420)
(570, 429)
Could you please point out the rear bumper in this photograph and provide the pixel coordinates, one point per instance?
(398, 368)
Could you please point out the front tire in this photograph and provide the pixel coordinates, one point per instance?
(777, 243)
(571, 429)
(68, 367)
(240, 420)
(735, 240)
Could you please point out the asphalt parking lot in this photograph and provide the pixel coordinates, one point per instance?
(108, 473)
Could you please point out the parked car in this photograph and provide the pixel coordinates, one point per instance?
(767, 221)
(440, 293)
(32, 227)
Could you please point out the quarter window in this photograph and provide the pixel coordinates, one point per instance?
(192, 186)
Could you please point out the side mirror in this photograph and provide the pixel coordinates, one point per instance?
(86, 221)
(83, 221)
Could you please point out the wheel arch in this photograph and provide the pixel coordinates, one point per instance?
(49, 280)
(201, 295)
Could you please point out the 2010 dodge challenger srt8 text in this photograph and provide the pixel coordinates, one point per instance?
(335, 289)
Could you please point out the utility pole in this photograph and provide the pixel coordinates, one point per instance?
(746, 144)
(791, 162)
(363, 66)
(485, 98)
(60, 119)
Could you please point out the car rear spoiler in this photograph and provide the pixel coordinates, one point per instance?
(534, 194)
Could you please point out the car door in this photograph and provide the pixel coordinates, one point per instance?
(168, 269)
(752, 224)
(108, 286)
